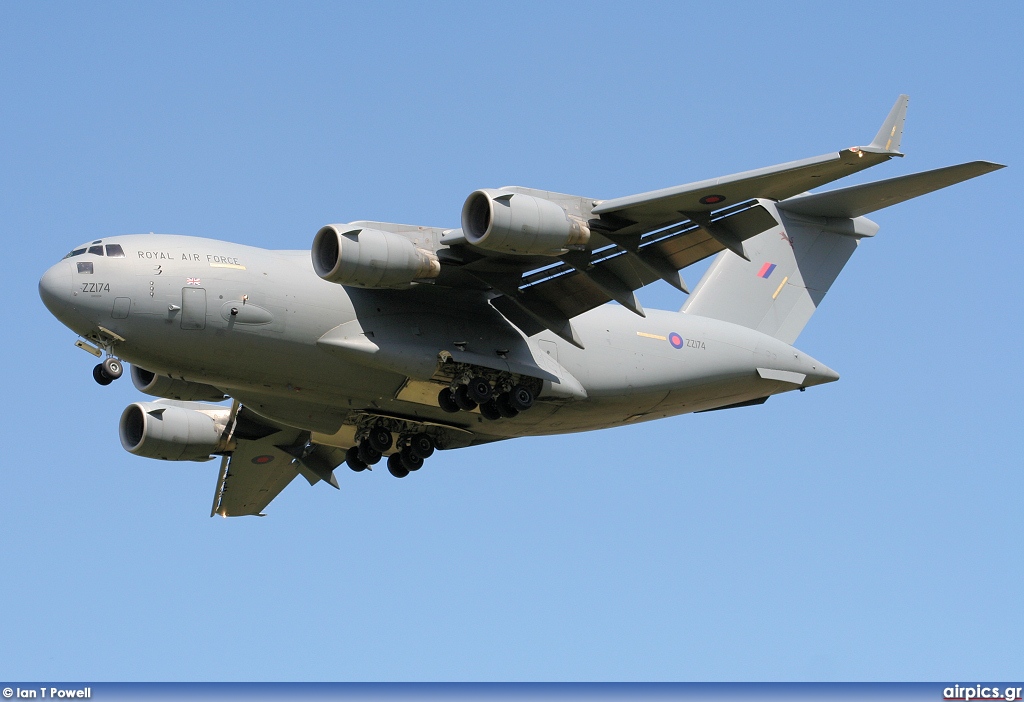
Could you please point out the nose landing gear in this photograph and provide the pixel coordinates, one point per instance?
(96, 343)
(107, 372)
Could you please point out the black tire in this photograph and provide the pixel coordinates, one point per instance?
(422, 445)
(113, 368)
(480, 391)
(463, 400)
(395, 466)
(504, 406)
(368, 454)
(521, 398)
(411, 460)
(490, 410)
(100, 375)
(379, 438)
(352, 459)
(446, 399)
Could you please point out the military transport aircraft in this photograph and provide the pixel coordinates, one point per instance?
(395, 340)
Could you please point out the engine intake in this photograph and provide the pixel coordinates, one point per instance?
(163, 386)
(513, 223)
(156, 430)
(370, 258)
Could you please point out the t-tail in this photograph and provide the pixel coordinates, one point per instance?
(793, 265)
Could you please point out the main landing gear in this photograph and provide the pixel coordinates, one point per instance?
(494, 403)
(107, 372)
(413, 449)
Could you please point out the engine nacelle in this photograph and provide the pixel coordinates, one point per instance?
(162, 386)
(512, 223)
(370, 258)
(157, 430)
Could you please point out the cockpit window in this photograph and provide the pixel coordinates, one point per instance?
(85, 266)
(76, 252)
(115, 251)
(98, 250)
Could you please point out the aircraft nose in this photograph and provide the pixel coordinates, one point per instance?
(55, 288)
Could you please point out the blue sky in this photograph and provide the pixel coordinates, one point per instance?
(866, 530)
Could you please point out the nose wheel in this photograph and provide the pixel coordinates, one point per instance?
(107, 372)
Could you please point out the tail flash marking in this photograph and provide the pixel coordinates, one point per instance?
(766, 270)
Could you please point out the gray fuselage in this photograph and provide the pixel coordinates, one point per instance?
(259, 325)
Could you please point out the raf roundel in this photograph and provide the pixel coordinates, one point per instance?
(263, 460)
(712, 199)
(675, 340)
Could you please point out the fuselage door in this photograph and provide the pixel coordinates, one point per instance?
(193, 308)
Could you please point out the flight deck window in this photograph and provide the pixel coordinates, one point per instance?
(76, 252)
(98, 250)
(85, 267)
(115, 251)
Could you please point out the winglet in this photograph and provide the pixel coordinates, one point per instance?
(888, 138)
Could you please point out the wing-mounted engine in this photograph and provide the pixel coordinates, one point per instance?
(173, 433)
(361, 257)
(516, 223)
(164, 386)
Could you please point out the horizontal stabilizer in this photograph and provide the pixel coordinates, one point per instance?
(861, 199)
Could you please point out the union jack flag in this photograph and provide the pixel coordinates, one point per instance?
(192, 281)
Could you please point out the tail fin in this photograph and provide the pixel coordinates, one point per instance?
(792, 266)
(889, 135)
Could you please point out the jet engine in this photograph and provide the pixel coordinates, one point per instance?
(520, 224)
(163, 386)
(157, 430)
(370, 258)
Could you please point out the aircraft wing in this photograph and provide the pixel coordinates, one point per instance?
(638, 239)
(253, 475)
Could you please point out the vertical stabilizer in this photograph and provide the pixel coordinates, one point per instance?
(889, 135)
(791, 267)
